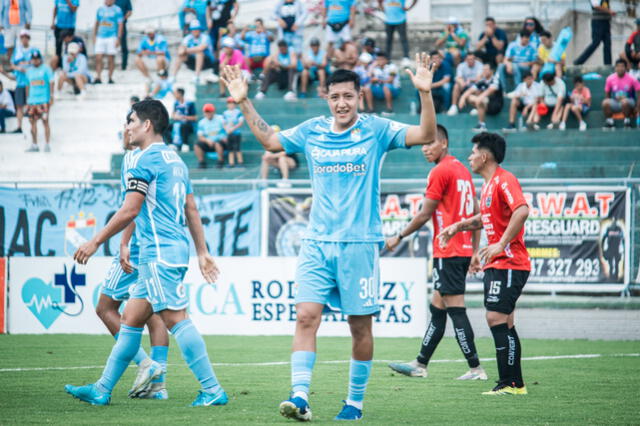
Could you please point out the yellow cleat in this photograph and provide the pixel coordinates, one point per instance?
(502, 389)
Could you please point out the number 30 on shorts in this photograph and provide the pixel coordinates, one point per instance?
(368, 288)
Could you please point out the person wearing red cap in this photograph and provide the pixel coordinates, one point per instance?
(211, 136)
(233, 120)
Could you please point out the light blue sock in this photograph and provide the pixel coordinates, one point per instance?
(195, 354)
(122, 353)
(159, 354)
(140, 356)
(359, 372)
(301, 367)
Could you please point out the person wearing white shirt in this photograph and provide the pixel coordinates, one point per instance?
(7, 109)
(468, 72)
(553, 95)
(75, 70)
(385, 81)
(523, 99)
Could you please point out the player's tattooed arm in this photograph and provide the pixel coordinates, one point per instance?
(471, 224)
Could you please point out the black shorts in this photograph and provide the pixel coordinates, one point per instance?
(502, 288)
(208, 148)
(233, 142)
(20, 96)
(191, 62)
(449, 274)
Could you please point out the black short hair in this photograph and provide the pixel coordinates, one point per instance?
(344, 76)
(259, 20)
(545, 33)
(434, 52)
(66, 33)
(442, 132)
(526, 74)
(492, 142)
(382, 54)
(134, 99)
(282, 43)
(154, 111)
(621, 61)
(549, 76)
(577, 79)
(525, 33)
(489, 19)
(180, 90)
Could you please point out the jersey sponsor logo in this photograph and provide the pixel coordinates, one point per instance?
(505, 188)
(318, 153)
(357, 169)
(170, 157)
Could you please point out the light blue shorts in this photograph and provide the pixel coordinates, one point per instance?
(378, 91)
(342, 276)
(162, 286)
(118, 284)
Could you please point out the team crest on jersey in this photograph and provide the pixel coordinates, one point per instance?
(487, 202)
(356, 135)
(78, 231)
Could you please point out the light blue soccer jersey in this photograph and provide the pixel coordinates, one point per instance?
(21, 57)
(233, 117)
(108, 20)
(161, 174)
(39, 81)
(338, 10)
(213, 129)
(257, 44)
(65, 18)
(75, 67)
(394, 12)
(129, 158)
(203, 40)
(157, 45)
(345, 174)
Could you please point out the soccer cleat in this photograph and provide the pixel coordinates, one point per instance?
(88, 393)
(154, 391)
(477, 373)
(409, 369)
(349, 412)
(205, 399)
(505, 389)
(147, 371)
(296, 408)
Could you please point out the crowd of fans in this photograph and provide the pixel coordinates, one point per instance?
(470, 75)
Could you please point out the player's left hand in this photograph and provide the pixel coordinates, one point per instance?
(489, 252)
(446, 234)
(85, 251)
(125, 260)
(475, 266)
(424, 73)
(208, 268)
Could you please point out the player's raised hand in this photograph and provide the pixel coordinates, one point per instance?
(424, 72)
(208, 268)
(446, 234)
(489, 252)
(236, 84)
(85, 251)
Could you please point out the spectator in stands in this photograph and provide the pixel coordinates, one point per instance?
(468, 72)
(39, 99)
(315, 68)
(534, 28)
(211, 136)
(75, 71)
(219, 13)
(127, 10)
(600, 31)
(553, 95)
(184, 117)
(338, 20)
(193, 10)
(258, 44)
(68, 36)
(395, 18)
(385, 81)
(20, 61)
(454, 40)
(365, 60)
(283, 161)
(544, 56)
(631, 52)
(369, 46)
(519, 59)
(622, 93)
(579, 103)
(7, 108)
(232, 56)
(106, 37)
(195, 50)
(64, 19)
(523, 99)
(232, 31)
(345, 56)
(280, 68)
(442, 82)
(492, 43)
(15, 16)
(153, 48)
(160, 87)
(290, 16)
(233, 120)
(485, 96)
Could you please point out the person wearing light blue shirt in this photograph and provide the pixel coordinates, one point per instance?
(257, 44)
(20, 61)
(153, 46)
(40, 81)
(519, 58)
(75, 70)
(395, 18)
(337, 17)
(64, 18)
(233, 120)
(212, 136)
(160, 199)
(160, 87)
(193, 10)
(314, 66)
(195, 51)
(290, 16)
(338, 261)
(106, 35)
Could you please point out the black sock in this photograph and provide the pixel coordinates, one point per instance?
(464, 334)
(518, 366)
(433, 335)
(501, 340)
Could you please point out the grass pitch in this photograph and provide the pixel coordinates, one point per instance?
(255, 373)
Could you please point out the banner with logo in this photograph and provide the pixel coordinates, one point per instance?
(48, 222)
(54, 295)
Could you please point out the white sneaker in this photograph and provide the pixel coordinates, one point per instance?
(290, 97)
(411, 369)
(453, 110)
(259, 95)
(550, 126)
(562, 126)
(196, 80)
(583, 126)
(47, 147)
(212, 78)
(283, 184)
(477, 373)
(147, 371)
(473, 112)
(535, 126)
(406, 62)
(82, 95)
(32, 148)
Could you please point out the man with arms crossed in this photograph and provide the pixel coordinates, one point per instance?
(338, 261)
(449, 198)
(160, 199)
(503, 212)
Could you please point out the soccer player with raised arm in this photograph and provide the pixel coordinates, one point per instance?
(503, 212)
(160, 199)
(450, 197)
(338, 260)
